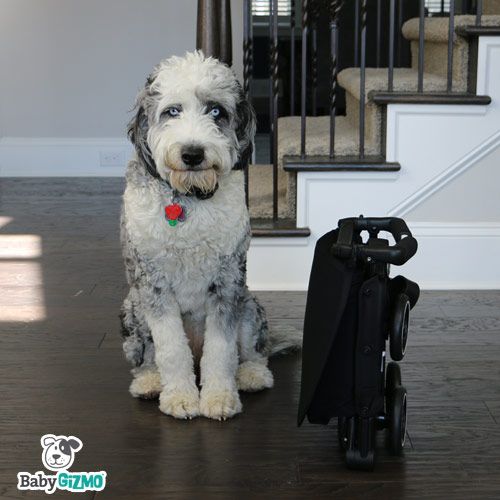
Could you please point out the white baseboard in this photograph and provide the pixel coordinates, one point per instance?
(63, 157)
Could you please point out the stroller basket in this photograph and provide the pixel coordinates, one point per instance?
(353, 308)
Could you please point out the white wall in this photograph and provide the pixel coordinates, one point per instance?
(71, 68)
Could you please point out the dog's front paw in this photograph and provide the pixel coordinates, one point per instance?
(146, 385)
(180, 403)
(253, 376)
(219, 404)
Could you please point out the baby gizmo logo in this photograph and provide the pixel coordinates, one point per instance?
(58, 455)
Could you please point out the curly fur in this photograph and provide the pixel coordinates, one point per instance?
(188, 302)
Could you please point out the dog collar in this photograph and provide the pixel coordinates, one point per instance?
(201, 195)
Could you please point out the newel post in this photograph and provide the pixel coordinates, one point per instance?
(214, 34)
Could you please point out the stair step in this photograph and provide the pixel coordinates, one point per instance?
(475, 31)
(436, 28)
(283, 228)
(405, 80)
(318, 137)
(339, 164)
(261, 192)
(436, 46)
(317, 144)
(376, 80)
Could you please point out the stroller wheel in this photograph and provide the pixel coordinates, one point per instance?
(342, 432)
(360, 451)
(355, 460)
(397, 420)
(399, 327)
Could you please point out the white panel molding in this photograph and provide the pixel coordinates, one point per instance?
(59, 156)
(279, 242)
(455, 255)
(455, 229)
(487, 83)
(396, 112)
(445, 177)
(306, 181)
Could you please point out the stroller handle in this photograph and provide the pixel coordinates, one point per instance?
(404, 249)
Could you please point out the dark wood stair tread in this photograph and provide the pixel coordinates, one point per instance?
(284, 228)
(339, 164)
(473, 31)
(428, 98)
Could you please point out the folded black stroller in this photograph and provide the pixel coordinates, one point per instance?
(353, 307)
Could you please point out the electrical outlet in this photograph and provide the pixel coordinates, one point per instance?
(112, 157)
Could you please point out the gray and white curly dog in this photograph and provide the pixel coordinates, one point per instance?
(185, 233)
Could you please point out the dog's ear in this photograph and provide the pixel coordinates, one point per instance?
(137, 130)
(245, 131)
(47, 440)
(75, 443)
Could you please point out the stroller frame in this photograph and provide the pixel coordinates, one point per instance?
(344, 371)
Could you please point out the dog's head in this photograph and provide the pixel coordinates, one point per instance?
(193, 123)
(59, 451)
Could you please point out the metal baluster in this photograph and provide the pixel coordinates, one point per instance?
(303, 78)
(270, 85)
(379, 31)
(356, 33)
(247, 64)
(275, 95)
(451, 35)
(362, 74)
(421, 32)
(292, 57)
(314, 55)
(335, 7)
(400, 32)
(247, 47)
(479, 12)
(390, 70)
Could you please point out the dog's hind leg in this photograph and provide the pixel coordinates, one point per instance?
(139, 350)
(253, 374)
(146, 383)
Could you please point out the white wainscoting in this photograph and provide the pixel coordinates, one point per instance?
(61, 157)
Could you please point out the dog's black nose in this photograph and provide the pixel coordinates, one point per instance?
(55, 457)
(192, 156)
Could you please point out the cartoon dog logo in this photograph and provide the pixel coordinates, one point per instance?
(59, 451)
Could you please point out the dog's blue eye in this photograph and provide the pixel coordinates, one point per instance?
(214, 112)
(173, 111)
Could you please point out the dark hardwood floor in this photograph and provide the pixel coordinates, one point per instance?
(62, 372)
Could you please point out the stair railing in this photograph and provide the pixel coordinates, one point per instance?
(214, 38)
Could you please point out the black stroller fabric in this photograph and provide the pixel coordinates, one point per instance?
(346, 312)
(320, 328)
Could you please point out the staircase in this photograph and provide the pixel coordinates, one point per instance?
(376, 99)
(419, 142)
(432, 149)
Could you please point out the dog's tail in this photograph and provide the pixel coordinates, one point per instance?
(284, 339)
